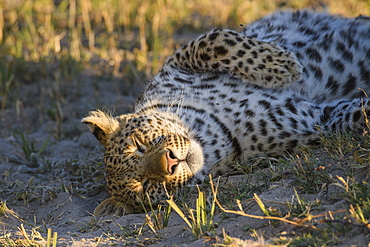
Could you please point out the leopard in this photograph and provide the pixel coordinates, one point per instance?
(268, 90)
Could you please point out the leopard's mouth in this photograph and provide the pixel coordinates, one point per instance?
(189, 164)
(186, 170)
(176, 172)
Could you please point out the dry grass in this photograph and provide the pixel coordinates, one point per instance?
(58, 39)
(123, 32)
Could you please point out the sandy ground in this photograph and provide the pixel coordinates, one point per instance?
(60, 187)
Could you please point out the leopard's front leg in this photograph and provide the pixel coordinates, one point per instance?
(254, 61)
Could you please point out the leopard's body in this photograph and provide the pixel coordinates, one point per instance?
(227, 96)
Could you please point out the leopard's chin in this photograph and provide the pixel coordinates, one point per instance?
(188, 170)
(194, 158)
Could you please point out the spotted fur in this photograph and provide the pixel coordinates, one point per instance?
(228, 95)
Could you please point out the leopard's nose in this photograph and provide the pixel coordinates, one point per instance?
(172, 161)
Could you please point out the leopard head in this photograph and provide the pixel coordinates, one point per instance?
(146, 157)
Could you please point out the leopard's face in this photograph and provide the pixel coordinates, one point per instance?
(146, 157)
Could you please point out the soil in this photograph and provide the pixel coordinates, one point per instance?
(59, 180)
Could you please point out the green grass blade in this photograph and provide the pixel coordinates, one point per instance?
(55, 236)
(156, 221)
(48, 239)
(203, 205)
(44, 145)
(198, 211)
(166, 216)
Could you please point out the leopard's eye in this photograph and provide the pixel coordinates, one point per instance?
(145, 185)
(140, 147)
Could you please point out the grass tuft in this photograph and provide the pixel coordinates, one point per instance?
(200, 220)
(157, 219)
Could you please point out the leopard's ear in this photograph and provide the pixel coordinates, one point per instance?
(102, 125)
